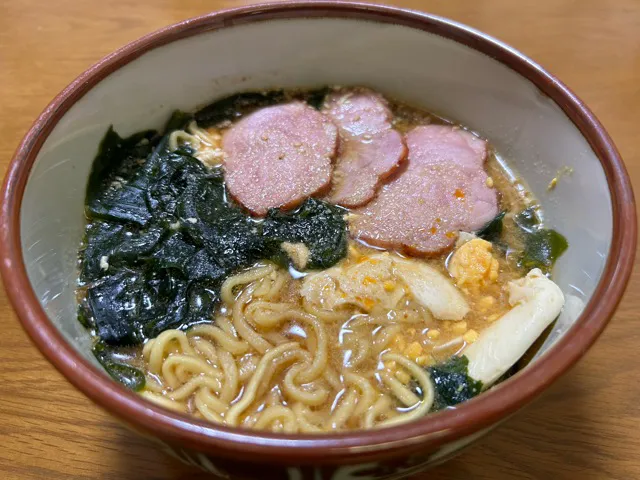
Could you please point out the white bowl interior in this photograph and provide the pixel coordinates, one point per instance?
(529, 130)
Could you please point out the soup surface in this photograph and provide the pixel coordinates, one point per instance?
(311, 261)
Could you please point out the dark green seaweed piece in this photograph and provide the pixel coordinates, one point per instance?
(115, 157)
(452, 383)
(542, 248)
(100, 240)
(115, 304)
(492, 230)
(120, 203)
(127, 375)
(202, 266)
(85, 316)
(133, 246)
(171, 176)
(191, 306)
(230, 236)
(202, 198)
(111, 192)
(234, 242)
(163, 302)
(147, 188)
(202, 298)
(315, 98)
(175, 252)
(178, 120)
(319, 225)
(166, 304)
(114, 246)
(235, 106)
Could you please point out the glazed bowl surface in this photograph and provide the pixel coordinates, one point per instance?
(538, 126)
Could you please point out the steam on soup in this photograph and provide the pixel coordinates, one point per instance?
(311, 262)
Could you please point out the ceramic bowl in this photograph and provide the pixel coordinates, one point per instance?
(537, 124)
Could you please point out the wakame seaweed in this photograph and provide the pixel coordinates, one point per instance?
(162, 236)
(542, 246)
(493, 229)
(315, 98)
(127, 375)
(452, 383)
(319, 225)
(178, 120)
(108, 195)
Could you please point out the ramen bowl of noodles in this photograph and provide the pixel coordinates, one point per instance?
(346, 256)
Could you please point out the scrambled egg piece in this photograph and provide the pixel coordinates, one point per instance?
(473, 264)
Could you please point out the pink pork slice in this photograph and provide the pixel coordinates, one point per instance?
(442, 191)
(278, 156)
(370, 149)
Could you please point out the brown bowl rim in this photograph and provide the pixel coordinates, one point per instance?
(430, 432)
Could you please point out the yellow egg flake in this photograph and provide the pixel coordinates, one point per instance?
(366, 302)
(486, 302)
(389, 286)
(425, 360)
(414, 350)
(369, 302)
(433, 334)
(489, 182)
(471, 336)
(459, 194)
(562, 172)
(369, 280)
(473, 264)
(459, 328)
(494, 270)
(403, 376)
(493, 318)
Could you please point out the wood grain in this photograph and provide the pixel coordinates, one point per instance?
(587, 426)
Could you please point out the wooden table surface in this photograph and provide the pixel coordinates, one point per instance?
(587, 426)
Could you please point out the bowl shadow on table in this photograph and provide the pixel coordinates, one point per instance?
(542, 438)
